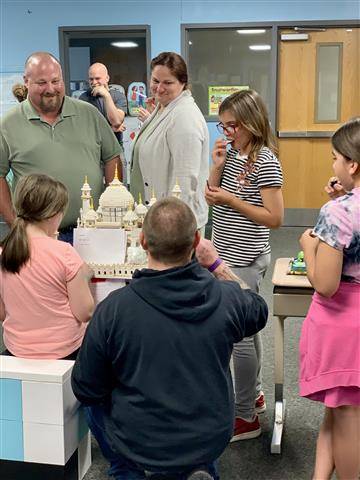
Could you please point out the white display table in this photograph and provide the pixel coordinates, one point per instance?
(41, 421)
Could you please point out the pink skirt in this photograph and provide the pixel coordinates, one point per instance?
(330, 348)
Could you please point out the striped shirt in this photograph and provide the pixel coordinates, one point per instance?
(238, 239)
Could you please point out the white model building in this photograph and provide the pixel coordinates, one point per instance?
(117, 212)
(115, 202)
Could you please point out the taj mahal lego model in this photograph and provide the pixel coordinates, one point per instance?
(108, 238)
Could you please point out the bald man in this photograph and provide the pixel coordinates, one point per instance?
(109, 101)
(57, 135)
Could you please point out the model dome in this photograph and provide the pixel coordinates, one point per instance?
(116, 195)
(130, 216)
(140, 208)
(91, 215)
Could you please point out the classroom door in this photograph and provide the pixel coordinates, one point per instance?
(318, 90)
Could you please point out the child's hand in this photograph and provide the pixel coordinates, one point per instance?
(334, 188)
(219, 153)
(218, 196)
(308, 240)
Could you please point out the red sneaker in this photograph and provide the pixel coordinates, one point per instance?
(244, 430)
(260, 404)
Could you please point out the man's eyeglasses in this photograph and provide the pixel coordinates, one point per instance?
(226, 129)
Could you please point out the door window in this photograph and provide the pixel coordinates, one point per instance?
(124, 52)
(221, 60)
(328, 82)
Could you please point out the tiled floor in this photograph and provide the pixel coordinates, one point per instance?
(251, 459)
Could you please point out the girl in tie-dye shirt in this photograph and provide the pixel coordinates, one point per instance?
(338, 225)
(330, 337)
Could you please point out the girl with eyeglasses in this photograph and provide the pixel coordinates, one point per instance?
(245, 191)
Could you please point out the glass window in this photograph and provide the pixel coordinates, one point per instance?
(328, 82)
(123, 53)
(221, 60)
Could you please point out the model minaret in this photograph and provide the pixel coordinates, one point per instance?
(85, 197)
(115, 180)
(91, 216)
(176, 191)
(140, 210)
(152, 199)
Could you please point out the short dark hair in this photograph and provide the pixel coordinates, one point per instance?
(175, 63)
(169, 229)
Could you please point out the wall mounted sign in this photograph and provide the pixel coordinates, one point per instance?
(218, 93)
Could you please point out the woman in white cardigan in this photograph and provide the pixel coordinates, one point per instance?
(173, 143)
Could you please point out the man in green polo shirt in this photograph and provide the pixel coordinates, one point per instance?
(54, 134)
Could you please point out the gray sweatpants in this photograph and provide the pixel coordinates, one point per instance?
(247, 354)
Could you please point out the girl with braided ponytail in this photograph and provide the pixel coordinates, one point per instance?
(45, 298)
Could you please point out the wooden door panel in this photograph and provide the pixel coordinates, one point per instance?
(307, 166)
(298, 76)
(296, 86)
(307, 161)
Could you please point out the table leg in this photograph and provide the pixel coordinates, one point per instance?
(279, 415)
(84, 455)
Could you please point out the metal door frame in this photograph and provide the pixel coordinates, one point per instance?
(65, 35)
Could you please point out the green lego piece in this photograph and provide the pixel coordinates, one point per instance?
(298, 265)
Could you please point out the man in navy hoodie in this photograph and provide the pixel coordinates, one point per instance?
(153, 368)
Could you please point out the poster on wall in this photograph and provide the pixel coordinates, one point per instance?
(136, 97)
(218, 93)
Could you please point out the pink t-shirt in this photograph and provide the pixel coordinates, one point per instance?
(39, 322)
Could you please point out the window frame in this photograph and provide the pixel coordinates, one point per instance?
(67, 33)
(276, 28)
(317, 80)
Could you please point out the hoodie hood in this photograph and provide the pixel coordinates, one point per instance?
(188, 293)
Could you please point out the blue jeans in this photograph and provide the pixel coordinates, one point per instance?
(122, 468)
